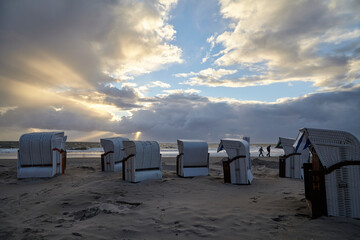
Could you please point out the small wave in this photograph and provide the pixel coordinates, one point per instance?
(8, 150)
(165, 152)
(86, 150)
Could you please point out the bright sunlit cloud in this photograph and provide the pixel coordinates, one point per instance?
(291, 46)
(3, 110)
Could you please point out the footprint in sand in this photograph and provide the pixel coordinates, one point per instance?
(87, 168)
(76, 234)
(289, 198)
(254, 199)
(279, 218)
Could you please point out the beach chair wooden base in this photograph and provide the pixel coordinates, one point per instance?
(229, 169)
(315, 189)
(316, 193)
(282, 164)
(226, 167)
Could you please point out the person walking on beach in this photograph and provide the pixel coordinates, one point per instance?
(261, 150)
(268, 149)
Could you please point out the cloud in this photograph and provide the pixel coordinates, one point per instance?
(211, 41)
(58, 60)
(282, 41)
(125, 98)
(159, 84)
(66, 65)
(181, 92)
(209, 76)
(181, 115)
(88, 38)
(49, 118)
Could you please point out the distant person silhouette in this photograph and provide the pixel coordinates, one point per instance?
(261, 150)
(268, 149)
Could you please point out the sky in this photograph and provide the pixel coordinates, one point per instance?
(169, 69)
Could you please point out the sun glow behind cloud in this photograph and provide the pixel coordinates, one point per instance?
(115, 112)
(94, 135)
(137, 135)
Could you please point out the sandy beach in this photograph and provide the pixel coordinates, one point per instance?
(86, 203)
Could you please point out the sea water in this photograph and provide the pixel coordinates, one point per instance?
(166, 150)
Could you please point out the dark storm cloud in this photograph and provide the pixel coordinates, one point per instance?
(211, 121)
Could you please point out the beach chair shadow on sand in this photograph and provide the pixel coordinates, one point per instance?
(193, 158)
(113, 154)
(41, 155)
(237, 167)
(142, 161)
(332, 179)
(290, 164)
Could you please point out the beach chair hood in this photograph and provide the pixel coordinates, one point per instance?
(287, 145)
(333, 179)
(234, 147)
(238, 168)
(331, 146)
(290, 164)
(36, 151)
(114, 153)
(196, 152)
(144, 161)
(193, 158)
(114, 144)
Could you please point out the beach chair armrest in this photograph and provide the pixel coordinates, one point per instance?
(104, 154)
(341, 164)
(63, 158)
(126, 158)
(236, 157)
(291, 154)
(178, 156)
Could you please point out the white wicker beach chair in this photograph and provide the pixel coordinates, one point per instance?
(193, 158)
(237, 167)
(142, 161)
(113, 154)
(41, 155)
(332, 180)
(290, 164)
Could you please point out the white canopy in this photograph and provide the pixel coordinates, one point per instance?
(335, 148)
(330, 145)
(193, 158)
(36, 156)
(234, 147)
(112, 160)
(146, 162)
(293, 163)
(114, 144)
(287, 145)
(37, 148)
(240, 169)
